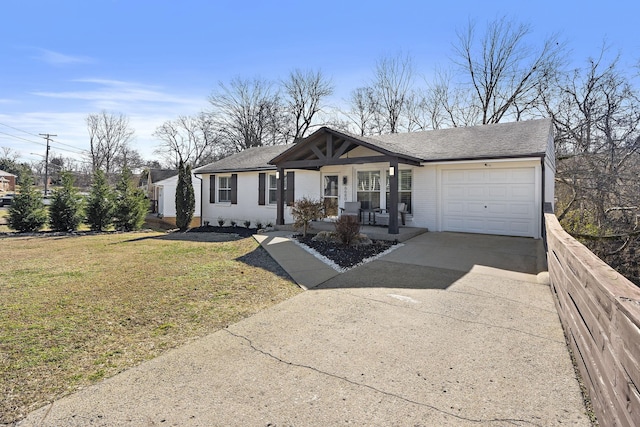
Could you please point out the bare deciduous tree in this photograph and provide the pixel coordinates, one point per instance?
(108, 135)
(392, 85)
(190, 139)
(596, 113)
(304, 92)
(248, 113)
(363, 110)
(502, 70)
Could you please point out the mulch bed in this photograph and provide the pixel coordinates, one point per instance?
(345, 256)
(240, 231)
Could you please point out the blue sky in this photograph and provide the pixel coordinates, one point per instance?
(154, 60)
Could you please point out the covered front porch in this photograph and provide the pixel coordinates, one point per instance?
(337, 157)
(375, 232)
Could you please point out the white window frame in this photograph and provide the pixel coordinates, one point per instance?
(272, 177)
(226, 188)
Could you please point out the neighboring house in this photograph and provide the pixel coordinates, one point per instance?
(165, 193)
(148, 183)
(7, 181)
(492, 179)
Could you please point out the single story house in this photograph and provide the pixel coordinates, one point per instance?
(164, 192)
(160, 187)
(148, 180)
(492, 179)
(7, 181)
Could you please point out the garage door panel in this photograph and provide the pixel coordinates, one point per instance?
(477, 176)
(496, 176)
(525, 175)
(492, 201)
(499, 192)
(474, 208)
(455, 191)
(524, 210)
(455, 176)
(521, 228)
(523, 192)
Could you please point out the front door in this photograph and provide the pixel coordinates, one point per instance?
(330, 191)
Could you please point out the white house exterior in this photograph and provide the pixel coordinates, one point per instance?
(165, 193)
(492, 179)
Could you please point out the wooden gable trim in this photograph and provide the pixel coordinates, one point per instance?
(314, 164)
(316, 151)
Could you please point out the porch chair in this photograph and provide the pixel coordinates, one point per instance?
(382, 218)
(351, 208)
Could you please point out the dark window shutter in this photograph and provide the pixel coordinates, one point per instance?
(290, 188)
(234, 188)
(212, 188)
(261, 188)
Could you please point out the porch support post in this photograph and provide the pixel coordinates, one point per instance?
(280, 195)
(393, 197)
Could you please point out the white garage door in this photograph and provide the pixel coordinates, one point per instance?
(490, 201)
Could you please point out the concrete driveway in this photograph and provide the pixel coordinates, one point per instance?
(448, 330)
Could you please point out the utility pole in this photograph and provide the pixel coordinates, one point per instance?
(46, 163)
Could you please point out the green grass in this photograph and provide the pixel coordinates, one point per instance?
(76, 310)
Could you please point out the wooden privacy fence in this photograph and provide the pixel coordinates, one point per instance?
(600, 313)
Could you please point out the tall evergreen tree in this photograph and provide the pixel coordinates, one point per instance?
(65, 212)
(185, 198)
(27, 212)
(100, 206)
(131, 205)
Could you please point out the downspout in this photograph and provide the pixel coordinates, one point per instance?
(201, 193)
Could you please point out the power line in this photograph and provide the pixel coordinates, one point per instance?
(23, 139)
(80, 150)
(20, 130)
(77, 150)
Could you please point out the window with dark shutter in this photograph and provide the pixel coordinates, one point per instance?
(234, 188)
(261, 188)
(212, 188)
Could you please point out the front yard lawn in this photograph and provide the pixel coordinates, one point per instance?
(77, 309)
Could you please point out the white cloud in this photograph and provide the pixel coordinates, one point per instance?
(56, 58)
(114, 94)
(146, 106)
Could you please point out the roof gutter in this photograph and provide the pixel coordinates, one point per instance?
(201, 200)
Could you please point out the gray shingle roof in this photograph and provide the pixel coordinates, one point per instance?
(3, 173)
(252, 159)
(160, 174)
(517, 139)
(502, 140)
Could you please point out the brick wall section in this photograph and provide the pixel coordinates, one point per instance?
(600, 314)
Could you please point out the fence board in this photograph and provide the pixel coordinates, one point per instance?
(600, 313)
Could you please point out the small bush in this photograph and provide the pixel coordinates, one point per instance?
(347, 228)
(27, 212)
(306, 210)
(65, 212)
(247, 223)
(220, 221)
(131, 206)
(233, 223)
(100, 204)
(258, 224)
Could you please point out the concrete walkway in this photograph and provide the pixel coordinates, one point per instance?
(448, 330)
